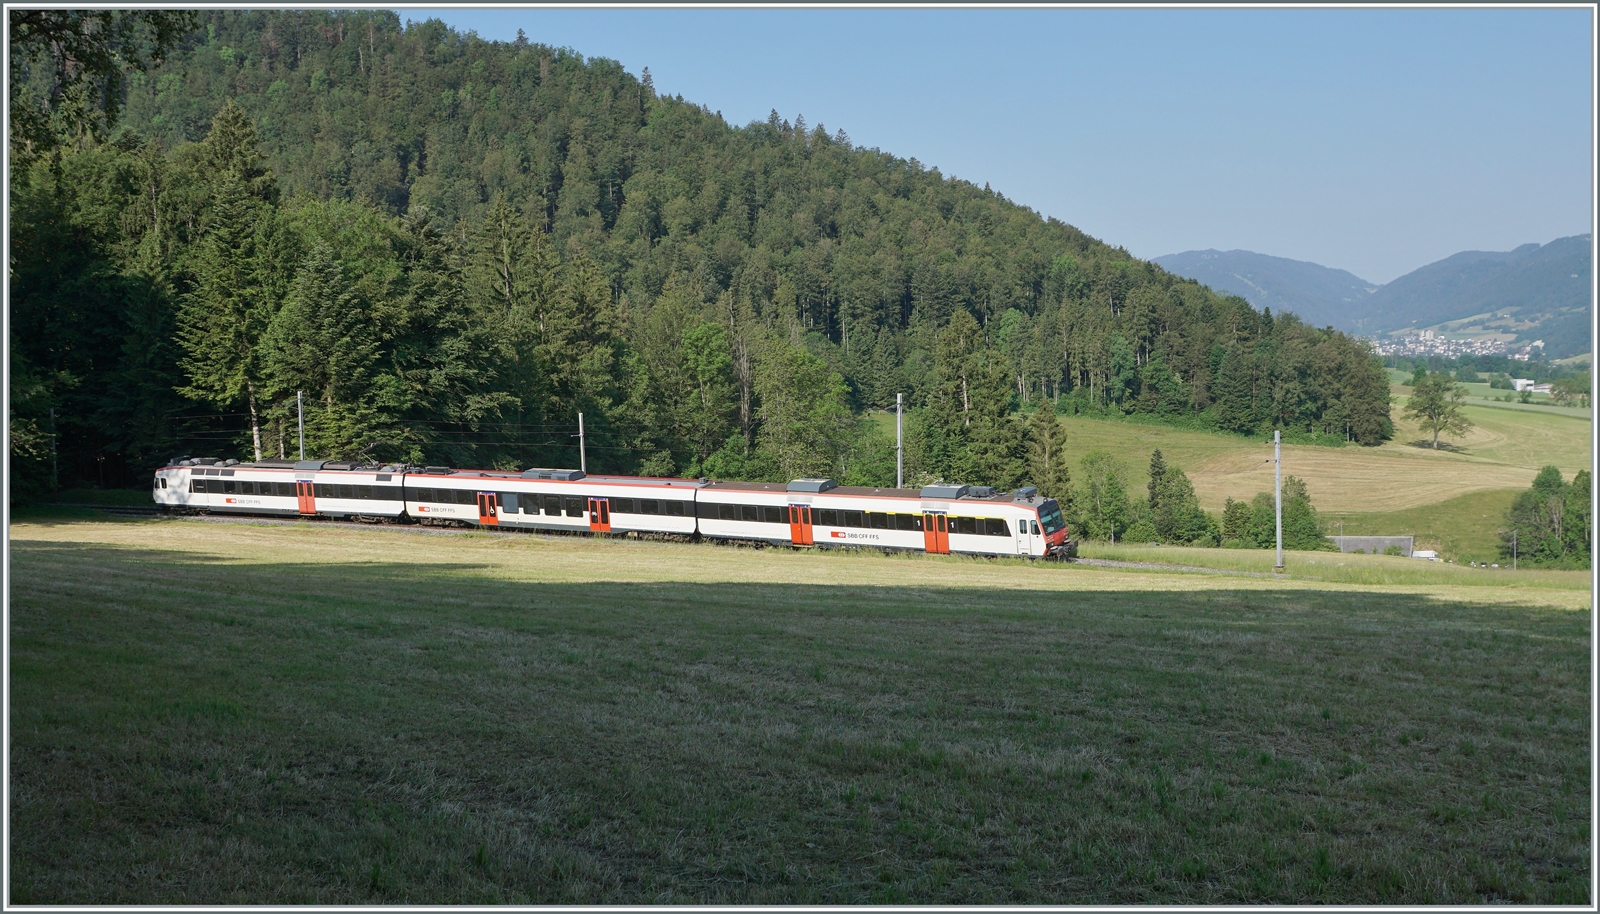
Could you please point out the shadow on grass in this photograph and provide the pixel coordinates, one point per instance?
(196, 731)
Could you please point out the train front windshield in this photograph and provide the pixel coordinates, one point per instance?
(1050, 517)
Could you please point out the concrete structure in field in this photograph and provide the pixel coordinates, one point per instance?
(1374, 545)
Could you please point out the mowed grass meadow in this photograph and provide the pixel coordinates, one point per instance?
(211, 713)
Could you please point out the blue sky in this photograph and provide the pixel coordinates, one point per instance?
(1374, 141)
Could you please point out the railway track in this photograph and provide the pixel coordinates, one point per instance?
(153, 511)
(118, 510)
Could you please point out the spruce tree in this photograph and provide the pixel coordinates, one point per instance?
(323, 341)
(224, 316)
(1158, 469)
(1047, 453)
(235, 272)
(1233, 391)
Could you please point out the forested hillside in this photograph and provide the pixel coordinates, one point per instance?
(454, 246)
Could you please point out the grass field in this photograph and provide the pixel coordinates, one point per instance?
(208, 713)
(1504, 449)
(1465, 528)
(1340, 568)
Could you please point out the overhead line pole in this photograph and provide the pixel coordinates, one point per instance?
(300, 416)
(1277, 486)
(55, 469)
(583, 459)
(899, 446)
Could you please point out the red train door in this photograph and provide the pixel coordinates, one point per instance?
(800, 525)
(307, 496)
(600, 515)
(935, 535)
(488, 502)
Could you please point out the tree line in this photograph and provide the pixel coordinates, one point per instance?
(1551, 525)
(453, 247)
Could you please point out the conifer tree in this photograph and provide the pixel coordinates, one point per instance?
(223, 318)
(1047, 454)
(323, 341)
(1158, 469)
(235, 273)
(1233, 391)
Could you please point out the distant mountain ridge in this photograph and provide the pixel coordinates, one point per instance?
(1319, 295)
(1533, 292)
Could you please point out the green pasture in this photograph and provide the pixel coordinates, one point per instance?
(1465, 528)
(1344, 568)
(207, 713)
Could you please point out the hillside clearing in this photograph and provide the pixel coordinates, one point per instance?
(1503, 450)
(212, 713)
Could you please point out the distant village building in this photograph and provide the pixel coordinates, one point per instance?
(1428, 342)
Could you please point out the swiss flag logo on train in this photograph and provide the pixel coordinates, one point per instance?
(422, 507)
(232, 501)
(836, 535)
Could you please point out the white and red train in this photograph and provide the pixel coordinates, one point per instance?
(806, 512)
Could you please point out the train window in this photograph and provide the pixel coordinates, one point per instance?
(965, 524)
(1035, 525)
(229, 486)
(622, 506)
(749, 512)
(852, 518)
(878, 521)
(649, 506)
(727, 512)
(421, 494)
(163, 482)
(364, 492)
(194, 486)
(466, 497)
(674, 509)
(996, 526)
(227, 472)
(1050, 517)
(508, 503)
(828, 518)
(773, 514)
(575, 506)
(906, 521)
(552, 505)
